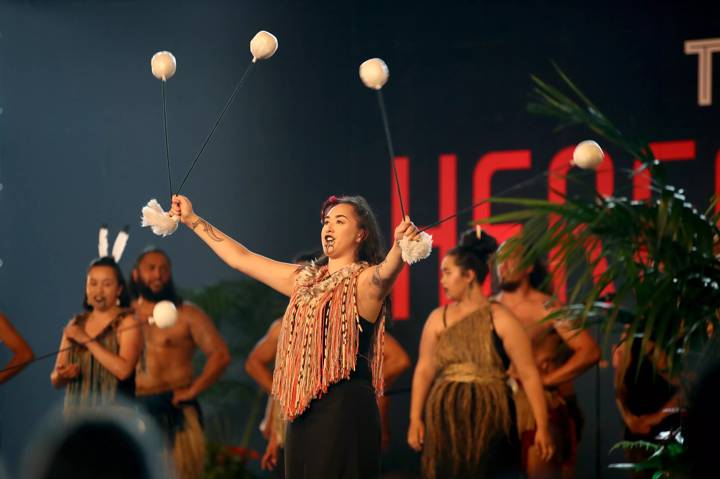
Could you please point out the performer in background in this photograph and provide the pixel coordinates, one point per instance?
(101, 346)
(166, 385)
(462, 415)
(562, 353)
(647, 396)
(328, 368)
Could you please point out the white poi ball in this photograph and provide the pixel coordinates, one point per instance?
(164, 314)
(374, 73)
(163, 65)
(588, 155)
(263, 45)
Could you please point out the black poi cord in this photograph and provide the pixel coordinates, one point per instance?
(68, 348)
(167, 142)
(516, 186)
(391, 150)
(217, 123)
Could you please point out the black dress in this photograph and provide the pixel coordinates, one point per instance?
(338, 436)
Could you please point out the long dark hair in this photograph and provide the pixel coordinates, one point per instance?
(473, 253)
(371, 249)
(109, 261)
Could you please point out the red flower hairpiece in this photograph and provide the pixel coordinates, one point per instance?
(331, 201)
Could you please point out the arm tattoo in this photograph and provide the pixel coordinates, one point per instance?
(207, 227)
(377, 280)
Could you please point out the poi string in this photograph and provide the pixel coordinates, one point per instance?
(163, 66)
(62, 350)
(262, 46)
(167, 142)
(162, 311)
(217, 123)
(516, 186)
(374, 74)
(391, 150)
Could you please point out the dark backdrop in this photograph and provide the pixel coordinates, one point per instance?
(81, 137)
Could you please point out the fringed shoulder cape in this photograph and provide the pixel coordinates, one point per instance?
(319, 338)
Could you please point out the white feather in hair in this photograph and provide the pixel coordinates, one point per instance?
(103, 242)
(416, 250)
(120, 243)
(160, 221)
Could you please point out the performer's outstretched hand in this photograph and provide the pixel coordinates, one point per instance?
(182, 208)
(416, 434)
(406, 229)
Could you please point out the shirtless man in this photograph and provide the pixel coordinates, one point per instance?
(164, 383)
(561, 353)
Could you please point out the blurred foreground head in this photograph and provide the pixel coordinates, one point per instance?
(111, 442)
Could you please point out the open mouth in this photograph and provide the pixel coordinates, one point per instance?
(329, 241)
(99, 299)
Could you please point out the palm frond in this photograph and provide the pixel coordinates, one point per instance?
(660, 254)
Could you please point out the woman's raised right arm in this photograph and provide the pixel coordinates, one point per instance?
(278, 275)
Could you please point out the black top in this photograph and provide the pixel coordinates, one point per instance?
(363, 369)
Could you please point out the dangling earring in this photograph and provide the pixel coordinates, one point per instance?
(117, 301)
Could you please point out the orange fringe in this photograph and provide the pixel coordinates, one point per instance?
(319, 338)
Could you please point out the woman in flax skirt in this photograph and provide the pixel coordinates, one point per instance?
(462, 416)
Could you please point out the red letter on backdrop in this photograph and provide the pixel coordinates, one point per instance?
(485, 168)
(664, 151)
(557, 190)
(401, 289)
(717, 179)
(444, 235)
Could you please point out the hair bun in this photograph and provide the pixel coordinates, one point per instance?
(481, 247)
